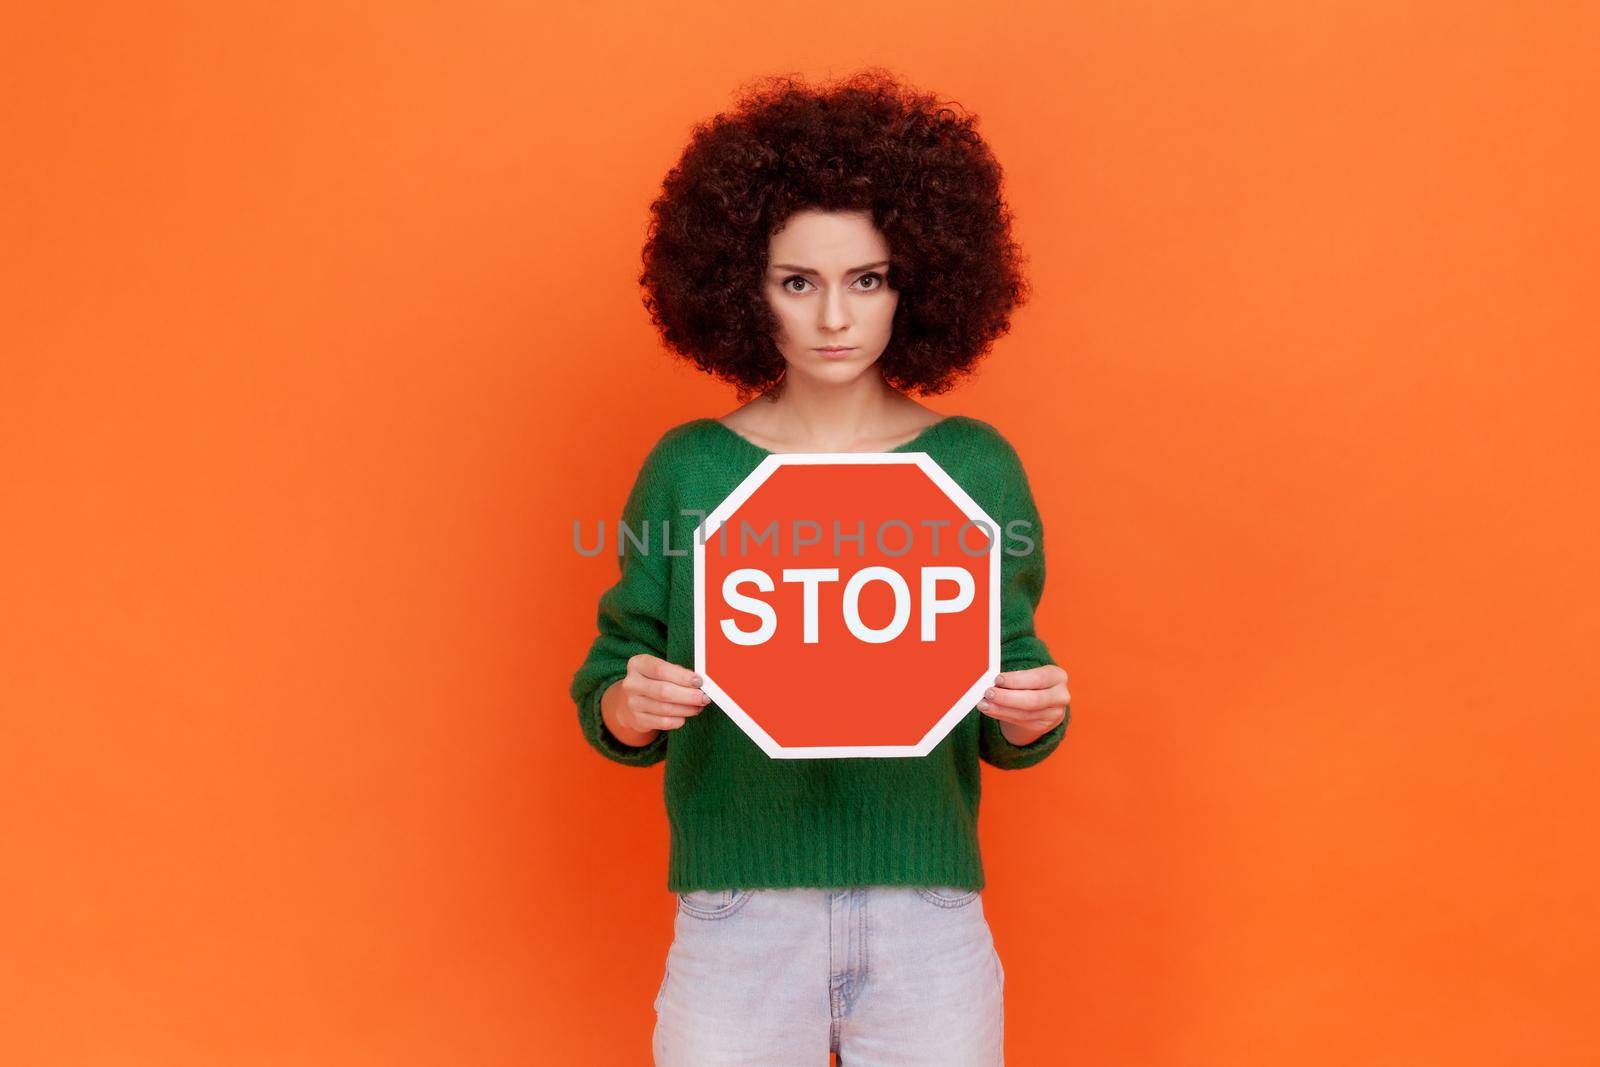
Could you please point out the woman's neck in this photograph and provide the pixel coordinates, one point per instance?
(831, 419)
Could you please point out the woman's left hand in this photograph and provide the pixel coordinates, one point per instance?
(1028, 703)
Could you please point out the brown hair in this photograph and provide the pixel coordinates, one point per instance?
(868, 142)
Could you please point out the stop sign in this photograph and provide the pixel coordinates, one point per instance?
(847, 604)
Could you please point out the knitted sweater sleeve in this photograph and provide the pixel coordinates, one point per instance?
(1022, 587)
(632, 615)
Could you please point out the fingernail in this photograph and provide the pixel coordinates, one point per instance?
(697, 680)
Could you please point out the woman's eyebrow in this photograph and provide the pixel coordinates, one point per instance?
(808, 270)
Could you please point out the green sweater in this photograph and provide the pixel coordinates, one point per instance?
(741, 819)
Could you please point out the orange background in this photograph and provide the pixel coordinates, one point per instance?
(321, 328)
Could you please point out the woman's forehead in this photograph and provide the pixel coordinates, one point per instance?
(823, 239)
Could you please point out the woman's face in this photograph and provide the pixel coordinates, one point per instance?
(828, 283)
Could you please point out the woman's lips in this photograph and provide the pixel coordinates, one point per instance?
(835, 353)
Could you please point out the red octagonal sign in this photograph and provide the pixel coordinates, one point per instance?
(847, 604)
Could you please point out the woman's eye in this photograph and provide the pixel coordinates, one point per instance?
(877, 282)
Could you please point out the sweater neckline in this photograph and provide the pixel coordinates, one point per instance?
(752, 446)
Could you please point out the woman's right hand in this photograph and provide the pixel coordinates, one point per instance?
(657, 695)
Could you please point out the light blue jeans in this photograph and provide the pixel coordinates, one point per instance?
(887, 976)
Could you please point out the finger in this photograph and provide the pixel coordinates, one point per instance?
(667, 707)
(673, 693)
(660, 722)
(1003, 714)
(665, 670)
(1023, 699)
(1033, 720)
(1041, 677)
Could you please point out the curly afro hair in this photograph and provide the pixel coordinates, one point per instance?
(865, 143)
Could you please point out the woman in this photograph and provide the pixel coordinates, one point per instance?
(825, 251)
